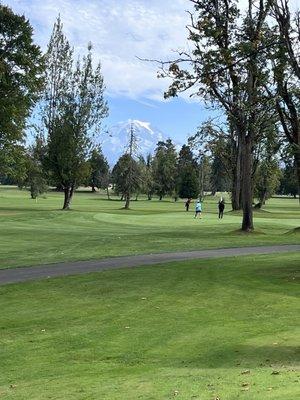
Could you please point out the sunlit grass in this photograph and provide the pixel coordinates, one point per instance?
(225, 328)
(34, 233)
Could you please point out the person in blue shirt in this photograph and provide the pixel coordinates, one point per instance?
(198, 209)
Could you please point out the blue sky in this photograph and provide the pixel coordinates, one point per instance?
(121, 30)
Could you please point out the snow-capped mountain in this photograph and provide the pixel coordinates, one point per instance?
(115, 141)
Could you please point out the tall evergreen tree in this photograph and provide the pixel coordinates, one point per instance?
(126, 176)
(165, 169)
(187, 179)
(99, 170)
(219, 180)
(146, 185)
(288, 181)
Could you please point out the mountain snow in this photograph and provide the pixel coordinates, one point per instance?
(115, 141)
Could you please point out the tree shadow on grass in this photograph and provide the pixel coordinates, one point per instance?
(240, 356)
(246, 356)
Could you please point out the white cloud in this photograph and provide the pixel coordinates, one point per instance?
(120, 30)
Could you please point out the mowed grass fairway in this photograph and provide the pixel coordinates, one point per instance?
(226, 328)
(34, 233)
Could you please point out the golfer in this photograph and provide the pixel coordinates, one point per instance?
(198, 209)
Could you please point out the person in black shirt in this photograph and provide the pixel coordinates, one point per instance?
(221, 206)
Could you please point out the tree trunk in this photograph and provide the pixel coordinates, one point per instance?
(247, 224)
(264, 198)
(127, 201)
(68, 192)
(160, 197)
(297, 163)
(149, 196)
(93, 188)
(107, 192)
(236, 184)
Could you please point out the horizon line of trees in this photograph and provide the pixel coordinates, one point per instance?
(183, 174)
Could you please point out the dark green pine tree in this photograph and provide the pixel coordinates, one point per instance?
(187, 177)
(164, 168)
(219, 179)
(288, 182)
(99, 176)
(126, 176)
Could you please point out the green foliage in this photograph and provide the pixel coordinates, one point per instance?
(226, 65)
(147, 185)
(164, 169)
(99, 170)
(222, 165)
(267, 173)
(267, 180)
(204, 175)
(73, 108)
(284, 81)
(126, 175)
(187, 177)
(219, 179)
(67, 151)
(34, 175)
(21, 66)
(289, 182)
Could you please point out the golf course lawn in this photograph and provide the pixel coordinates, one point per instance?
(34, 233)
(222, 328)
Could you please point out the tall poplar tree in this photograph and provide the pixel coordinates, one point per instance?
(73, 108)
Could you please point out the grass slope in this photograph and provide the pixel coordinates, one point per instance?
(199, 330)
(34, 233)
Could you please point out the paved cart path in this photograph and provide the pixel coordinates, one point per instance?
(81, 267)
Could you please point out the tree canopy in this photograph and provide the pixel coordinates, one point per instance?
(21, 67)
